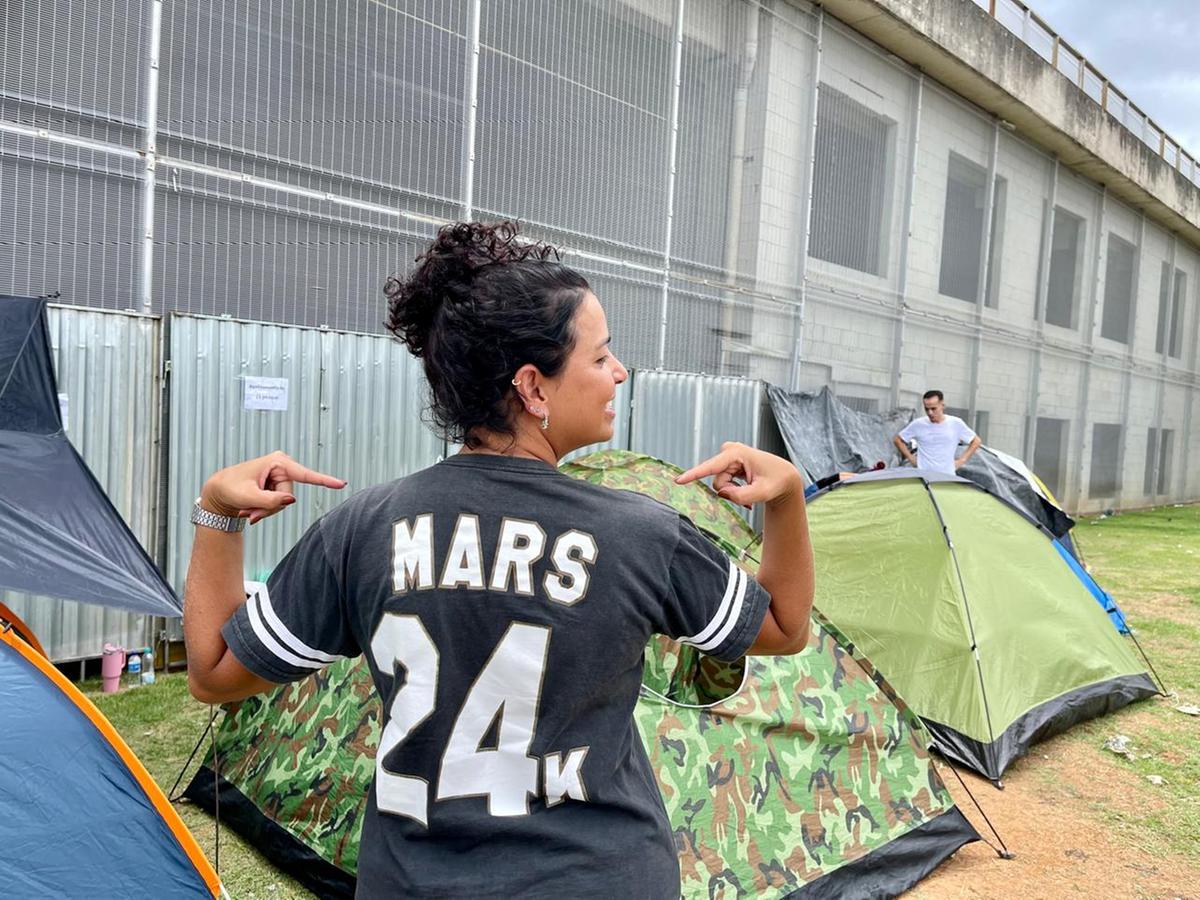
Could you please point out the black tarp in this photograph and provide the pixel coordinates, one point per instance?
(1006, 477)
(824, 436)
(59, 534)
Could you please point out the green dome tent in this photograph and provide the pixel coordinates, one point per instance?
(787, 776)
(970, 610)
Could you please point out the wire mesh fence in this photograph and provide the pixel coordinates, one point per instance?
(751, 188)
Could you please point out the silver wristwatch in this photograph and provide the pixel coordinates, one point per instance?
(201, 516)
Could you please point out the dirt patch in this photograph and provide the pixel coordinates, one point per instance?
(1052, 816)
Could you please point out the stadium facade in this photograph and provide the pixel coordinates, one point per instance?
(877, 195)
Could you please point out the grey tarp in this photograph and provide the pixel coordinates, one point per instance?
(824, 436)
(59, 534)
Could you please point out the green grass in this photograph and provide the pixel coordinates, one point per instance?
(162, 723)
(1149, 561)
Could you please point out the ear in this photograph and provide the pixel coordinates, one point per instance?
(530, 384)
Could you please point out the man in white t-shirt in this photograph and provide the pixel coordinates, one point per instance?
(937, 437)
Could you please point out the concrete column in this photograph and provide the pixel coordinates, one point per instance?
(1193, 391)
(985, 274)
(806, 215)
(1164, 368)
(1087, 331)
(1127, 371)
(914, 147)
(1039, 314)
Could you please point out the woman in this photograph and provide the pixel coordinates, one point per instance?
(503, 607)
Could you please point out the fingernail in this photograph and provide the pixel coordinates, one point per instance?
(288, 500)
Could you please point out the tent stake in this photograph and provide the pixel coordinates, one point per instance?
(1003, 854)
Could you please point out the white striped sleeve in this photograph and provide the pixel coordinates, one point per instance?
(295, 624)
(712, 603)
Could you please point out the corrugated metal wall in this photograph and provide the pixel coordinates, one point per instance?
(684, 418)
(107, 366)
(353, 410)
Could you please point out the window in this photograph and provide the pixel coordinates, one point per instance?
(1118, 290)
(1159, 452)
(1066, 252)
(962, 231)
(1106, 461)
(1171, 299)
(852, 183)
(1050, 439)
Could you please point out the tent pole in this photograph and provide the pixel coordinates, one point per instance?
(1162, 688)
(966, 607)
(1005, 853)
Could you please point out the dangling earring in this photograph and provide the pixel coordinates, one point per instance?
(545, 420)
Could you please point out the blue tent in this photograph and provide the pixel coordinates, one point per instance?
(83, 818)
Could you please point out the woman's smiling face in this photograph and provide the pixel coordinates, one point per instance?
(580, 397)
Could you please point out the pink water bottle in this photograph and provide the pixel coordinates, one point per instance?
(111, 666)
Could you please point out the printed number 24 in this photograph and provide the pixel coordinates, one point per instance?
(508, 688)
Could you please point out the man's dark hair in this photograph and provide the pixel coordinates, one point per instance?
(929, 395)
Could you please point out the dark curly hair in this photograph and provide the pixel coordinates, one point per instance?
(479, 305)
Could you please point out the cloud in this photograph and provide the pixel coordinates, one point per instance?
(1149, 53)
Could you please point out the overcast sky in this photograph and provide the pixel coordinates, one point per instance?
(1150, 50)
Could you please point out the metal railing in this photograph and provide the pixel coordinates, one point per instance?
(1052, 47)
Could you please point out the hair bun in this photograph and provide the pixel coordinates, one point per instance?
(445, 271)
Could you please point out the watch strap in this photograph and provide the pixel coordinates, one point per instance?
(216, 521)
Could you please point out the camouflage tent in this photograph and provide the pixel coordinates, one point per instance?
(783, 776)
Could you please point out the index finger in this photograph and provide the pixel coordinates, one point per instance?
(711, 466)
(296, 472)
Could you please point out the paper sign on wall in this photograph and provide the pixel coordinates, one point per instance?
(264, 393)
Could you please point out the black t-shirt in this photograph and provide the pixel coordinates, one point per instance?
(503, 608)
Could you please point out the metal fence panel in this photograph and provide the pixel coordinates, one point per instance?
(82, 56)
(353, 408)
(254, 253)
(372, 401)
(69, 224)
(369, 91)
(684, 418)
(601, 170)
(106, 365)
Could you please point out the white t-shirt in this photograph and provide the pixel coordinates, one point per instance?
(937, 443)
